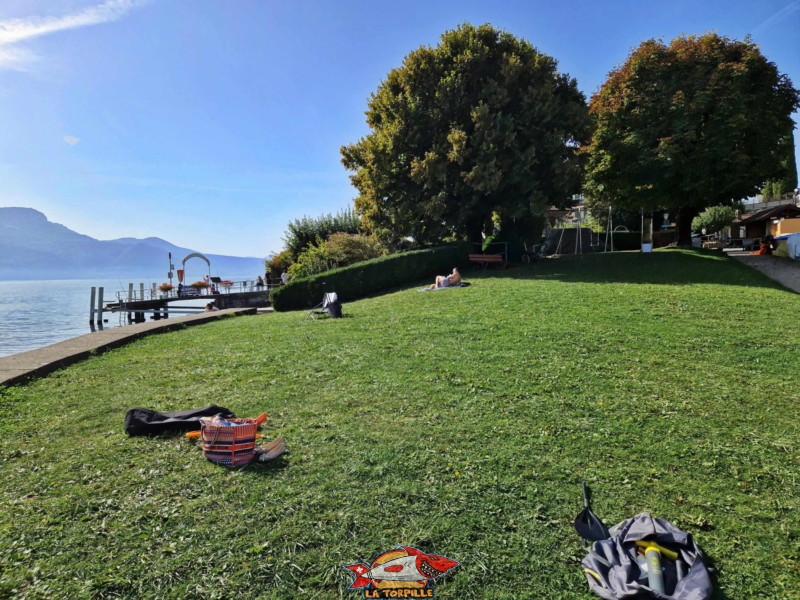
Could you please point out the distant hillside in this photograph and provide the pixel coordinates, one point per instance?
(31, 247)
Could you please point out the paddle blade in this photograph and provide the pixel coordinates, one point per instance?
(589, 527)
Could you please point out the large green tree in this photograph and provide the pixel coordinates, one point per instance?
(775, 188)
(702, 121)
(480, 129)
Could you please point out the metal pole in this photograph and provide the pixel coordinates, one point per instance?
(100, 304)
(91, 305)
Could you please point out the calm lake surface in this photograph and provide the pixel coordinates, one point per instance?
(39, 313)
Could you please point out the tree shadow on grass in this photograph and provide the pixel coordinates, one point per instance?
(671, 267)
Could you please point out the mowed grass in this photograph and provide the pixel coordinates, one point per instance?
(459, 421)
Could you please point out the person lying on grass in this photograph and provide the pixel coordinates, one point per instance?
(447, 280)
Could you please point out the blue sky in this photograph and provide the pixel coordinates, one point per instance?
(213, 123)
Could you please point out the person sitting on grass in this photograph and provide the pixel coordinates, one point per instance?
(447, 280)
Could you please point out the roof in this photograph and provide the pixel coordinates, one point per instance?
(785, 210)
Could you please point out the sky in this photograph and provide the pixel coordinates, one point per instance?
(214, 123)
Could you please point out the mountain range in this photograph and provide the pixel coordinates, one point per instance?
(31, 247)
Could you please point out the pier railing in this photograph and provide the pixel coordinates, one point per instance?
(136, 301)
(142, 292)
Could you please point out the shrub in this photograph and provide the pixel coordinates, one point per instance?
(346, 249)
(364, 278)
(302, 233)
(714, 219)
(339, 250)
(314, 259)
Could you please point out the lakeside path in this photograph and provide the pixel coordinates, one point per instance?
(783, 270)
(42, 361)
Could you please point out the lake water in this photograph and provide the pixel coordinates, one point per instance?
(38, 313)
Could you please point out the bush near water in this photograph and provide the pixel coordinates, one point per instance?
(365, 278)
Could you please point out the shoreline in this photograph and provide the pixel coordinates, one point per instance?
(37, 313)
(31, 364)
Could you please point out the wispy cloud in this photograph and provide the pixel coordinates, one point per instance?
(787, 10)
(71, 139)
(14, 32)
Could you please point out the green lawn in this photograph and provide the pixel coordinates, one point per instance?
(461, 421)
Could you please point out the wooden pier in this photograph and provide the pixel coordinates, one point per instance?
(138, 305)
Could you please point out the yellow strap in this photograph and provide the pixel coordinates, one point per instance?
(595, 574)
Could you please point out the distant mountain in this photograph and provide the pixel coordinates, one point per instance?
(31, 247)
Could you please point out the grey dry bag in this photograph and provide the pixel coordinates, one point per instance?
(615, 570)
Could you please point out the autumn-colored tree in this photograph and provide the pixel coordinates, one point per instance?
(278, 262)
(702, 121)
(481, 124)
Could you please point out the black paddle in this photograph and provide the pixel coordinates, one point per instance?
(588, 526)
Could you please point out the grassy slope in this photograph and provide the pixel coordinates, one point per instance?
(461, 421)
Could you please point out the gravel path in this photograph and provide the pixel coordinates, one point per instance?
(783, 270)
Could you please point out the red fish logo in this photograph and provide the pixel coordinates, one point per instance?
(402, 568)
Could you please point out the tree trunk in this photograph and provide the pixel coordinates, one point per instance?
(684, 223)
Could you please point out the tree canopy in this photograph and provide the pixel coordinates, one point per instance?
(775, 188)
(703, 121)
(480, 129)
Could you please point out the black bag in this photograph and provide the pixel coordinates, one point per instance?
(613, 572)
(335, 309)
(143, 421)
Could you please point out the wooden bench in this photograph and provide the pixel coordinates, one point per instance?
(488, 259)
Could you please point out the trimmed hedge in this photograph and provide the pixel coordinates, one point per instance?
(361, 279)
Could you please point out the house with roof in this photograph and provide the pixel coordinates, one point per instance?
(777, 220)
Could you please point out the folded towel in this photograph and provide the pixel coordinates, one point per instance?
(449, 287)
